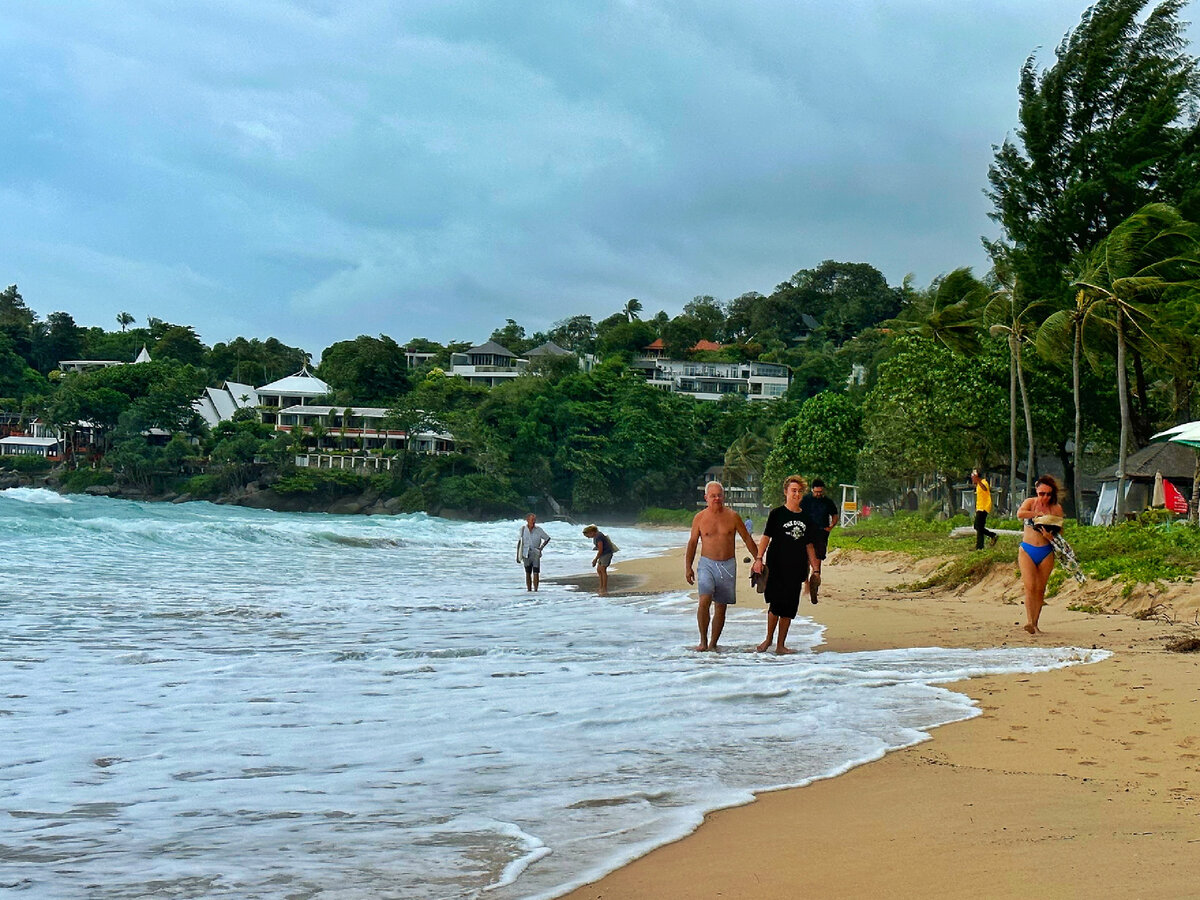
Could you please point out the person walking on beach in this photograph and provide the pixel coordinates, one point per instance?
(530, 543)
(820, 516)
(1042, 515)
(605, 549)
(983, 506)
(715, 528)
(785, 548)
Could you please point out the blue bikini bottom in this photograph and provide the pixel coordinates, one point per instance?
(1037, 552)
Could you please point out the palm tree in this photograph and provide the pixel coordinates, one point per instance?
(948, 312)
(632, 308)
(1062, 333)
(1153, 252)
(1010, 313)
(124, 319)
(746, 457)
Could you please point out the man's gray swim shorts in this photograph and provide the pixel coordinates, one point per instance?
(718, 579)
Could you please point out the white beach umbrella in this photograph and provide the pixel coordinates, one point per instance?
(1158, 499)
(1187, 434)
(1177, 429)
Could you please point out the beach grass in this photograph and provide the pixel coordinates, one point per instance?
(1145, 551)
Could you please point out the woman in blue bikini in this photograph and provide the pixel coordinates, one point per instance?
(1035, 557)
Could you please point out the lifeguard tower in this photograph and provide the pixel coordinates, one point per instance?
(849, 505)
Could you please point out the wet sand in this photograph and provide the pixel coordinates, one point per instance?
(1083, 782)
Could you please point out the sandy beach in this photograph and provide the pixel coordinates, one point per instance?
(1083, 782)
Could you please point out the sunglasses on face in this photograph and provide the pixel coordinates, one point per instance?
(1045, 494)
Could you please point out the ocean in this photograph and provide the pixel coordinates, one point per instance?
(213, 702)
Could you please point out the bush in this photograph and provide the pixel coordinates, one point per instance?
(478, 493)
(412, 500)
(204, 487)
(26, 465)
(321, 482)
(79, 480)
(655, 515)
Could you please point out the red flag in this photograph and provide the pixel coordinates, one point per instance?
(1174, 501)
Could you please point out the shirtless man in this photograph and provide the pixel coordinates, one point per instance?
(715, 528)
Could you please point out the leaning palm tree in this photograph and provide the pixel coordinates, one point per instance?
(632, 308)
(949, 312)
(1151, 254)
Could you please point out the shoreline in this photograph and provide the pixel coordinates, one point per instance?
(1082, 781)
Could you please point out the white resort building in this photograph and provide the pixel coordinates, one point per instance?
(36, 439)
(290, 404)
(712, 380)
(488, 364)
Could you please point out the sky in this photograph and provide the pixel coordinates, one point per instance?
(313, 170)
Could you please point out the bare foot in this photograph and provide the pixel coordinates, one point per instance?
(700, 648)
(1030, 629)
(763, 646)
(783, 651)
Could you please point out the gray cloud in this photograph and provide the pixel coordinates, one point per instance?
(317, 170)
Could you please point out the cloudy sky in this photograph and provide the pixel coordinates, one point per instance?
(315, 169)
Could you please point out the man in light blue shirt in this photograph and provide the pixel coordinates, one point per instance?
(530, 542)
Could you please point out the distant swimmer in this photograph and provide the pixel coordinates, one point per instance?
(1042, 515)
(715, 529)
(530, 543)
(784, 546)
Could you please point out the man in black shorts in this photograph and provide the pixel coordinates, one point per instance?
(820, 515)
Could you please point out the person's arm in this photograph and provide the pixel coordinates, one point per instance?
(833, 517)
(597, 546)
(761, 555)
(741, 529)
(1026, 510)
(545, 539)
(690, 557)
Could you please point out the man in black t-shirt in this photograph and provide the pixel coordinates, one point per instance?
(820, 516)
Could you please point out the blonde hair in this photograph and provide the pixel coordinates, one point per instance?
(795, 479)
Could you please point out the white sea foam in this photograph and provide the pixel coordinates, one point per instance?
(32, 495)
(206, 701)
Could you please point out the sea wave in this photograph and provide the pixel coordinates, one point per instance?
(39, 496)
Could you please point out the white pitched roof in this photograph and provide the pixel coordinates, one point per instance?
(144, 356)
(237, 390)
(207, 410)
(302, 384)
(222, 401)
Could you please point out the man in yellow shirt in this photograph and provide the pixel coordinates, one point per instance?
(983, 506)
